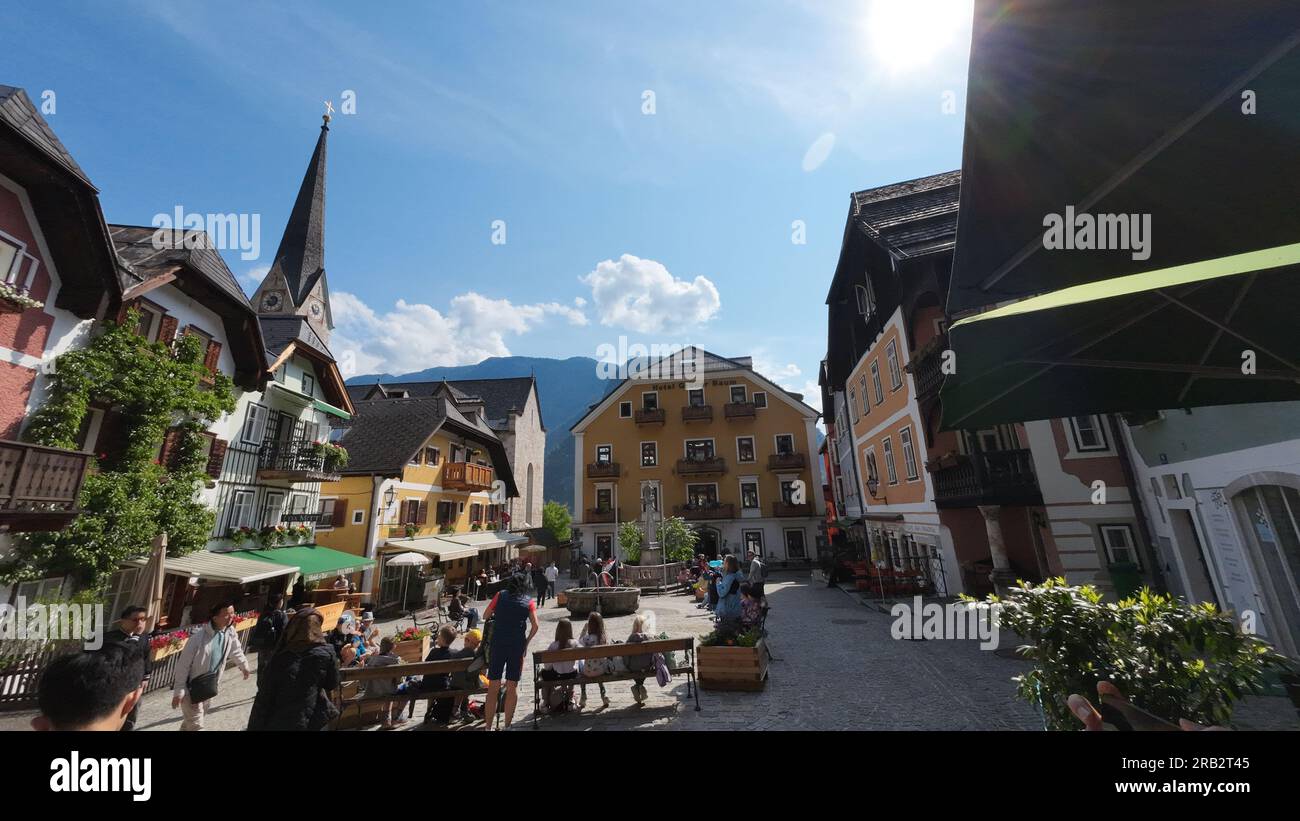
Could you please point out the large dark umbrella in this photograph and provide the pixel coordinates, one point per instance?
(1128, 108)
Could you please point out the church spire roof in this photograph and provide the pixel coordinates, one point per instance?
(300, 258)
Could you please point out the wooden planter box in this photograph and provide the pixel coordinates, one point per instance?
(411, 652)
(732, 668)
(164, 652)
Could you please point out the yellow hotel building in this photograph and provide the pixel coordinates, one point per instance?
(723, 448)
(423, 476)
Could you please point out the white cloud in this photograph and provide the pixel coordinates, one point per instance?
(780, 374)
(254, 276)
(413, 336)
(579, 301)
(642, 295)
(818, 152)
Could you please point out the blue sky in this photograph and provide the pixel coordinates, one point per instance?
(670, 227)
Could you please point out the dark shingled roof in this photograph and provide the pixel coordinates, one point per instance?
(301, 255)
(18, 111)
(911, 218)
(383, 434)
(141, 261)
(499, 396)
(281, 329)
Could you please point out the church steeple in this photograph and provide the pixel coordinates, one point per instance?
(296, 282)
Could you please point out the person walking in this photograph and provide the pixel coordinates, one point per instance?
(129, 636)
(293, 691)
(540, 584)
(757, 570)
(203, 662)
(515, 625)
(727, 610)
(552, 576)
(266, 634)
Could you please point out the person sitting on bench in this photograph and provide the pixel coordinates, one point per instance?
(440, 709)
(560, 670)
(460, 609)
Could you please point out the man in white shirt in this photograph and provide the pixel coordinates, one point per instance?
(552, 574)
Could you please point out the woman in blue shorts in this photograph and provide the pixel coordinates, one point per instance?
(514, 615)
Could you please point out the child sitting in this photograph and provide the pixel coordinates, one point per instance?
(639, 663)
(592, 635)
(392, 711)
(559, 670)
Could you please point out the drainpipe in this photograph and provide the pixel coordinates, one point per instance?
(1135, 494)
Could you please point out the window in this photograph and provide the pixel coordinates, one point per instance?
(759, 399)
(737, 394)
(649, 454)
(872, 471)
(784, 444)
(909, 454)
(605, 546)
(88, 434)
(241, 509)
(895, 374)
(699, 450)
(695, 397)
(624, 410)
(702, 495)
(308, 384)
(358, 517)
(1088, 433)
(150, 321)
(476, 513)
(866, 298)
(444, 514)
(794, 544)
(604, 499)
(650, 400)
(866, 403)
(1119, 544)
(431, 456)
(325, 521)
(888, 448)
(604, 454)
(17, 267)
(254, 424)
(272, 508)
(787, 491)
(853, 404)
(745, 449)
(753, 540)
(749, 494)
(875, 382)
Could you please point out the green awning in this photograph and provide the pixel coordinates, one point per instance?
(314, 561)
(326, 407)
(1216, 332)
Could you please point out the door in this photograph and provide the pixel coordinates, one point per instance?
(1272, 522)
(708, 542)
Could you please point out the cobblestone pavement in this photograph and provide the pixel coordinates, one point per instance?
(835, 668)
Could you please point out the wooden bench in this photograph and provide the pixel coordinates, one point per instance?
(606, 651)
(421, 668)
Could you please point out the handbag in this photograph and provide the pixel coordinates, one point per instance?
(202, 687)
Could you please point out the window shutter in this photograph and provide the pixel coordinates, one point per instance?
(217, 457)
(213, 356)
(170, 448)
(167, 329)
(340, 512)
(423, 515)
(121, 312)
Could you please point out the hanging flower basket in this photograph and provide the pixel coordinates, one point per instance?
(15, 301)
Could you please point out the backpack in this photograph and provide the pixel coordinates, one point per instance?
(265, 634)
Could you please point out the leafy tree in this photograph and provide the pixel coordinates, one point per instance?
(130, 498)
(678, 539)
(1170, 658)
(629, 538)
(556, 518)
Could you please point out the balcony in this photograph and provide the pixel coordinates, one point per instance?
(651, 416)
(603, 470)
(39, 486)
(466, 476)
(697, 413)
(787, 461)
(740, 410)
(701, 467)
(715, 510)
(596, 515)
(297, 460)
(784, 509)
(998, 477)
(926, 367)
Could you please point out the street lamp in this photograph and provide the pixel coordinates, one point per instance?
(389, 496)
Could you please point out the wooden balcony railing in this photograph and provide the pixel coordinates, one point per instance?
(651, 416)
(697, 413)
(716, 510)
(998, 477)
(780, 509)
(926, 367)
(296, 460)
(603, 470)
(596, 515)
(466, 476)
(740, 410)
(700, 467)
(39, 486)
(787, 461)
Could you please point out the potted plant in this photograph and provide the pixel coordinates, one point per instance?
(272, 535)
(239, 535)
(446, 528)
(1170, 658)
(476, 526)
(412, 644)
(732, 661)
(331, 455)
(411, 530)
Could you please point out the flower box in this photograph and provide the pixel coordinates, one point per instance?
(411, 652)
(157, 654)
(723, 667)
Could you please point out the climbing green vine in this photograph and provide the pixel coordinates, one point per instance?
(150, 387)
